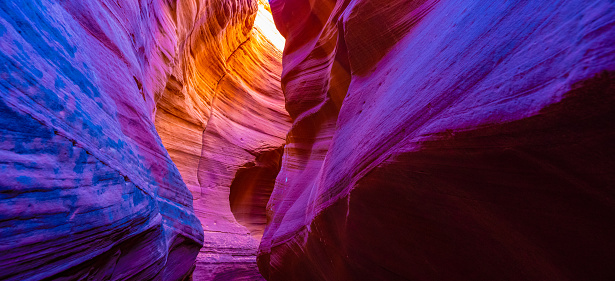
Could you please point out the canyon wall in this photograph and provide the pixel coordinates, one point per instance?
(90, 92)
(429, 140)
(87, 189)
(445, 140)
(221, 114)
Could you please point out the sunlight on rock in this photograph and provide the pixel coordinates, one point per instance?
(264, 23)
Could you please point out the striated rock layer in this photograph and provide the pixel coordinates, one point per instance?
(91, 90)
(222, 111)
(87, 190)
(445, 140)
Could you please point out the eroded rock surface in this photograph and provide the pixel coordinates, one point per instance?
(91, 91)
(222, 109)
(445, 140)
(87, 190)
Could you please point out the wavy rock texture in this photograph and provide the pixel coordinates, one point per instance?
(445, 140)
(223, 110)
(87, 190)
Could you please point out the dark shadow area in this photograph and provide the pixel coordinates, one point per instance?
(532, 199)
(251, 189)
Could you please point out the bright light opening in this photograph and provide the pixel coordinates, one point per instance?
(264, 23)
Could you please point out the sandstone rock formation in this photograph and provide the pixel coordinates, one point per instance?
(88, 191)
(223, 110)
(445, 140)
(430, 140)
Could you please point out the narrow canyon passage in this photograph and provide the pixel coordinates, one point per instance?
(316, 140)
(233, 142)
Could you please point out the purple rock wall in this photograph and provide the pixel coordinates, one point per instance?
(445, 140)
(87, 190)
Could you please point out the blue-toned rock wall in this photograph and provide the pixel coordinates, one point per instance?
(87, 189)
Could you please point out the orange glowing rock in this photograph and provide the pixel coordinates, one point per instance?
(222, 108)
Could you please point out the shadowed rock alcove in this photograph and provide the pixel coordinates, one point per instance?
(251, 189)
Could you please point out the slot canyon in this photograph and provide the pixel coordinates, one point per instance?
(307, 140)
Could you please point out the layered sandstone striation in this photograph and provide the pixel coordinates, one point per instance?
(87, 190)
(223, 111)
(91, 91)
(445, 140)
